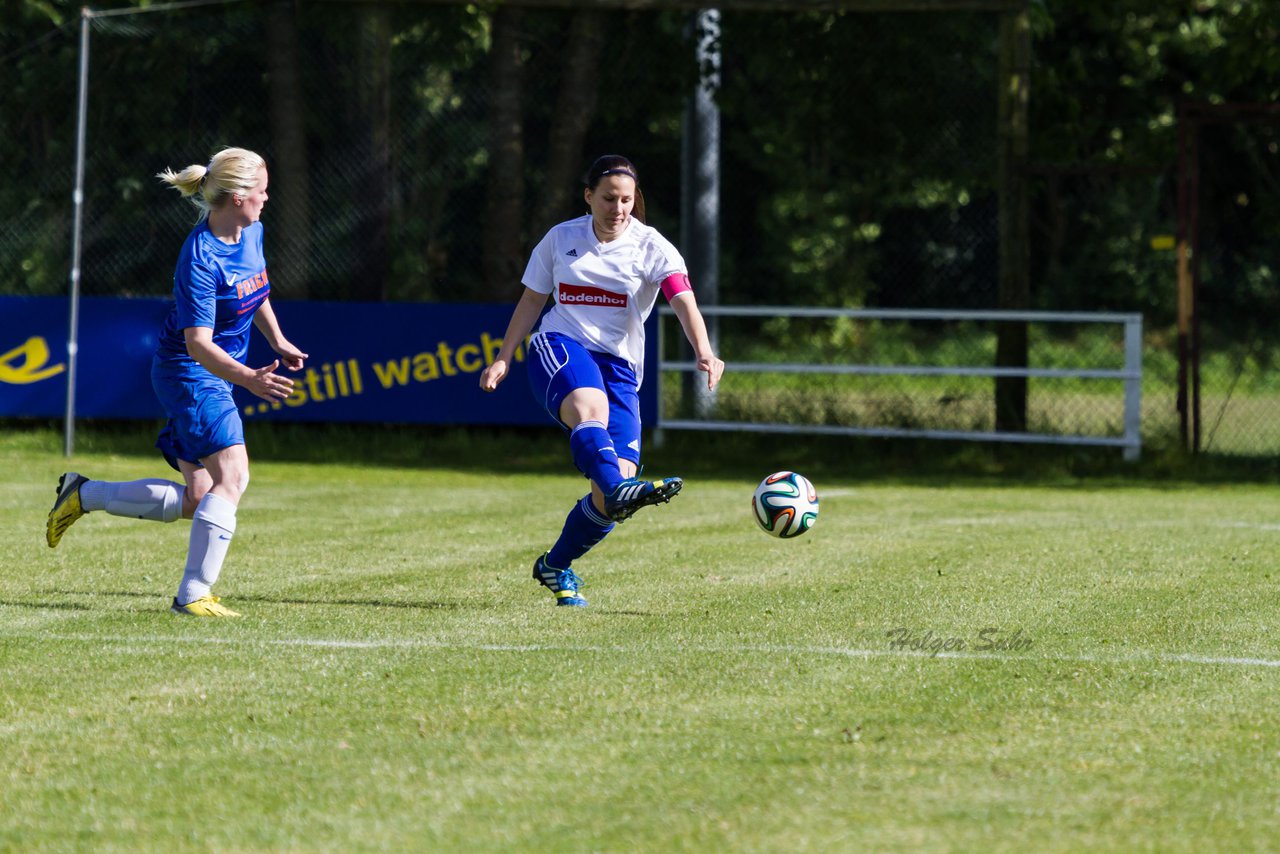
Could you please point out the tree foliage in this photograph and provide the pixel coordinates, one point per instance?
(858, 150)
(1108, 81)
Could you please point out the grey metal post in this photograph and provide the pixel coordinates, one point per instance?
(1133, 388)
(700, 196)
(73, 324)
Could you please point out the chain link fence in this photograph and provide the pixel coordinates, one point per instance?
(381, 125)
(1239, 295)
(1104, 239)
(377, 124)
(915, 372)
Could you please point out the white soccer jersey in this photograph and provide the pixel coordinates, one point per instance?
(603, 291)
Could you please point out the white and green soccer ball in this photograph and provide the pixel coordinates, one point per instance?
(785, 504)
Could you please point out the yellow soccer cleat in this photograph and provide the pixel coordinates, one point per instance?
(66, 508)
(205, 606)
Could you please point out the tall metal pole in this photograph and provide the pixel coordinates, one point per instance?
(73, 325)
(1193, 226)
(700, 199)
(1188, 131)
(1014, 274)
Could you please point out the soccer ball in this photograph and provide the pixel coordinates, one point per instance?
(785, 504)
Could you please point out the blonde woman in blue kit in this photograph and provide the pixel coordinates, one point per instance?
(604, 272)
(221, 289)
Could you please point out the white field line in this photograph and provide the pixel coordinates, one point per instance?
(1014, 520)
(1148, 657)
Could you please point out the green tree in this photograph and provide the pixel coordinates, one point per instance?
(1108, 79)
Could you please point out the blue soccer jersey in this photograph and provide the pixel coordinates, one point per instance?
(219, 286)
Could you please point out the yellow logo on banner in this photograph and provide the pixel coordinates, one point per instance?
(33, 354)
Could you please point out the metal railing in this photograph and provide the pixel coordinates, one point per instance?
(1131, 375)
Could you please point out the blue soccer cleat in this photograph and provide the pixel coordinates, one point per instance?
(562, 582)
(633, 493)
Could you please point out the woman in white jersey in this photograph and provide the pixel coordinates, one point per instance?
(603, 272)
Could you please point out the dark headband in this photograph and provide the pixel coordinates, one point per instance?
(620, 170)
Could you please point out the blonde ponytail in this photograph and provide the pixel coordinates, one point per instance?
(231, 171)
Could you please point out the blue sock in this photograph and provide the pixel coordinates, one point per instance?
(593, 454)
(583, 528)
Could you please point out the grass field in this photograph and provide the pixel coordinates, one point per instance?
(400, 683)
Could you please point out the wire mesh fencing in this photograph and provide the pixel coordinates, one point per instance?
(397, 175)
(915, 372)
(378, 125)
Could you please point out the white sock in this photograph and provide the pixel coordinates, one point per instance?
(212, 527)
(152, 498)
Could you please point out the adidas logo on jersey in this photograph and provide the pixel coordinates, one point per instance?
(572, 253)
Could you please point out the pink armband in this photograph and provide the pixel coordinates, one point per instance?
(675, 284)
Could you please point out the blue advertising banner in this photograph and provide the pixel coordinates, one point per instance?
(412, 363)
(117, 339)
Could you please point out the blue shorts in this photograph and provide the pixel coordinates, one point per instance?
(558, 365)
(203, 418)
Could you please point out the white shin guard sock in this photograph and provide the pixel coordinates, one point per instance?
(151, 498)
(212, 527)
